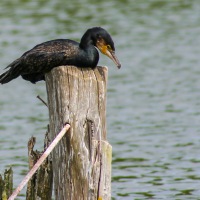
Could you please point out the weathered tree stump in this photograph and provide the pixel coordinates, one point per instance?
(82, 159)
(6, 184)
(40, 185)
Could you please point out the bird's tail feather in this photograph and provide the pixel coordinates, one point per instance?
(12, 73)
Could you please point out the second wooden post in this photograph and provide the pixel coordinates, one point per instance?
(82, 160)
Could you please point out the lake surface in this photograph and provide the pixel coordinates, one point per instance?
(153, 101)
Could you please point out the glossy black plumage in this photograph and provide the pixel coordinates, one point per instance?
(33, 64)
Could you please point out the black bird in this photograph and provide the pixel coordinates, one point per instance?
(33, 64)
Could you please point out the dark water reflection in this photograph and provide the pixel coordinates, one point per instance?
(153, 109)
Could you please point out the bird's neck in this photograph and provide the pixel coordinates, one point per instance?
(89, 52)
(86, 40)
(89, 56)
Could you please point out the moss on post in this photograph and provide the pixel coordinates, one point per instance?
(6, 184)
(40, 185)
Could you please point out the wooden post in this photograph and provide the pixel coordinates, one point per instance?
(82, 160)
(40, 185)
(6, 184)
(41, 182)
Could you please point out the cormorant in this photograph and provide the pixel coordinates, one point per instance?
(33, 64)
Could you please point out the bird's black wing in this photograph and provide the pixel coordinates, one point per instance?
(33, 64)
(42, 62)
(45, 56)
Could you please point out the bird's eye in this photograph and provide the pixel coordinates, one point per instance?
(108, 46)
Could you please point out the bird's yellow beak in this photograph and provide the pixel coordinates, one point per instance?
(105, 49)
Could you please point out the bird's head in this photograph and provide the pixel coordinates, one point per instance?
(103, 41)
(105, 44)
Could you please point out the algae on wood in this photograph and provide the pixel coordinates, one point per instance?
(6, 184)
(40, 185)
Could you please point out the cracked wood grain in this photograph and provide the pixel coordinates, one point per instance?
(82, 160)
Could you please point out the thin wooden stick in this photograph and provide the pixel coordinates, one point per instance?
(42, 101)
(39, 162)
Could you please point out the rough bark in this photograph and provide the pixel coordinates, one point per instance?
(6, 184)
(82, 160)
(40, 185)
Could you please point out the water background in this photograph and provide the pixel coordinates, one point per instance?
(153, 101)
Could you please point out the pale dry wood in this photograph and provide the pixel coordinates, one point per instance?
(82, 160)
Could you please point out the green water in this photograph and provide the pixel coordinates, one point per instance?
(153, 109)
